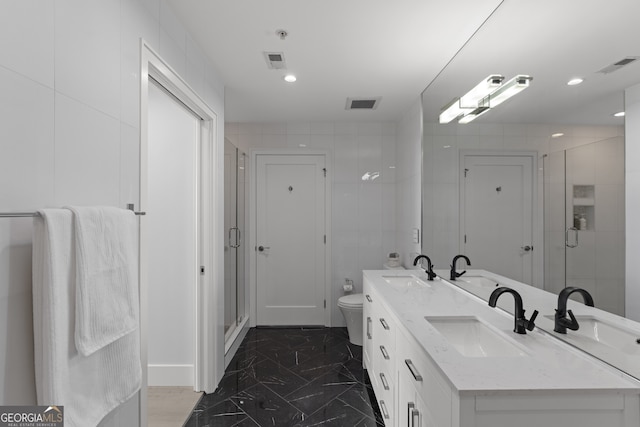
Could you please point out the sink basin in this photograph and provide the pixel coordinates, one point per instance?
(473, 338)
(405, 282)
(479, 281)
(603, 333)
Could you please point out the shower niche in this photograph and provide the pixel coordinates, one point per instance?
(584, 207)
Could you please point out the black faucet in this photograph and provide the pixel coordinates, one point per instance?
(455, 275)
(562, 323)
(429, 270)
(521, 324)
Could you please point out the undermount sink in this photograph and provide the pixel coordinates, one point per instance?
(405, 282)
(594, 331)
(479, 281)
(473, 338)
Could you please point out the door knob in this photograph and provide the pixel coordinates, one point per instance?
(527, 248)
(262, 248)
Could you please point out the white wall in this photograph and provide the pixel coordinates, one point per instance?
(632, 200)
(442, 144)
(69, 134)
(363, 212)
(408, 183)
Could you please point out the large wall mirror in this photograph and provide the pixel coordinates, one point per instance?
(533, 189)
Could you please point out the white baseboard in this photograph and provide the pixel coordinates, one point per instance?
(170, 375)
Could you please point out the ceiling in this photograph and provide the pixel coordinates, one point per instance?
(396, 49)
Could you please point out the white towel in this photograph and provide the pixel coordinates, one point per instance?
(88, 387)
(106, 276)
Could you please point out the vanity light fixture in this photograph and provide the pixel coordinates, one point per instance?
(488, 94)
(575, 81)
(290, 78)
(619, 114)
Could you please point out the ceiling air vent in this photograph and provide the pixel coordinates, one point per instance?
(275, 60)
(617, 65)
(363, 103)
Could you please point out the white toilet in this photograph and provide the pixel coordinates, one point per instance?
(351, 307)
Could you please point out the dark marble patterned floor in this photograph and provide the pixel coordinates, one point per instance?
(292, 377)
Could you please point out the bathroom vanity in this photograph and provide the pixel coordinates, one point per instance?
(439, 356)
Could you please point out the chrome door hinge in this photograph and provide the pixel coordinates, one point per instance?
(325, 172)
(465, 238)
(202, 270)
(465, 172)
(325, 303)
(325, 239)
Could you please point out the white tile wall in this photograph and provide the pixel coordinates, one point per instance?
(30, 22)
(363, 213)
(69, 133)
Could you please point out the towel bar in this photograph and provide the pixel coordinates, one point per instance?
(32, 214)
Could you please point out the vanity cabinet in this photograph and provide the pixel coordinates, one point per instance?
(420, 381)
(418, 374)
(379, 351)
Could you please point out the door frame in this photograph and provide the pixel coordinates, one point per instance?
(209, 336)
(537, 218)
(253, 220)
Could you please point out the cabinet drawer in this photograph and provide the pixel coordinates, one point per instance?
(386, 405)
(432, 389)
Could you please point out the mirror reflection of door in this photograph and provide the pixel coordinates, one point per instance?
(584, 221)
(496, 201)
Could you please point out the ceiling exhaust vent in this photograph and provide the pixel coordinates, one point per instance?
(275, 60)
(617, 65)
(363, 103)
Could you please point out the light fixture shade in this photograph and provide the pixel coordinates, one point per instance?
(453, 111)
(481, 90)
(509, 89)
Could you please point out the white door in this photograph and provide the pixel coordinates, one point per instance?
(496, 214)
(290, 239)
(174, 135)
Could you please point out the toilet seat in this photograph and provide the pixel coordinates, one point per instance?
(351, 301)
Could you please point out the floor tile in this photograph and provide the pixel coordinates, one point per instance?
(266, 407)
(292, 377)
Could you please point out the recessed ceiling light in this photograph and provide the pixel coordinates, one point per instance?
(619, 114)
(290, 78)
(575, 81)
(557, 135)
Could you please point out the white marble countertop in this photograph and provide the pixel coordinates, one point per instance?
(547, 364)
(627, 360)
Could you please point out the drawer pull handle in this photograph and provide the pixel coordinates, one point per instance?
(383, 408)
(413, 415)
(383, 378)
(384, 324)
(369, 298)
(413, 370)
(369, 327)
(415, 418)
(385, 354)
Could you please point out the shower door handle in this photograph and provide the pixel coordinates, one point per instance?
(566, 237)
(237, 244)
(262, 248)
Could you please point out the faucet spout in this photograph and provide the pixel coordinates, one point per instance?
(562, 323)
(521, 324)
(454, 275)
(429, 270)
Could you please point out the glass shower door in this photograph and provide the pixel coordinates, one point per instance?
(584, 221)
(234, 259)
